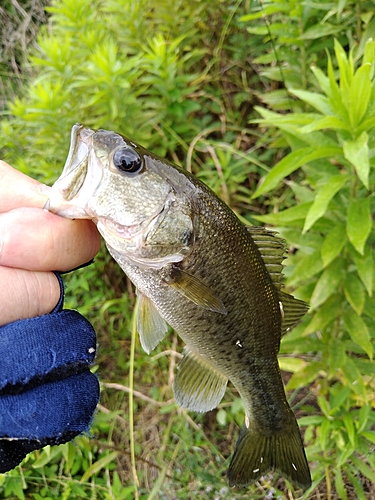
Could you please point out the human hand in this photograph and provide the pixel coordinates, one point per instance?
(47, 392)
(34, 242)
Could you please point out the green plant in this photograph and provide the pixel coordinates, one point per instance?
(19, 21)
(293, 35)
(86, 71)
(331, 227)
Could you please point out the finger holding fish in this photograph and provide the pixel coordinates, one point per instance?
(33, 243)
(37, 240)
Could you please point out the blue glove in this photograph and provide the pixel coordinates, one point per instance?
(47, 393)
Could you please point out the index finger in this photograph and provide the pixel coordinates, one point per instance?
(19, 190)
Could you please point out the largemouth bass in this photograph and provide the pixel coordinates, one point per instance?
(197, 268)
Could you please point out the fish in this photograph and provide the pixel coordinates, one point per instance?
(199, 269)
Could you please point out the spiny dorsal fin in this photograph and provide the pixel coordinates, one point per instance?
(198, 386)
(151, 326)
(272, 249)
(292, 311)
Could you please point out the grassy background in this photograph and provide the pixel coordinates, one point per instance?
(270, 103)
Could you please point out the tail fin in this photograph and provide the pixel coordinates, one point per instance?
(256, 454)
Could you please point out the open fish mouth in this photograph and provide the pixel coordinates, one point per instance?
(78, 179)
(75, 169)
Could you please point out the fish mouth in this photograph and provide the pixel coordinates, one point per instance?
(118, 230)
(71, 183)
(75, 169)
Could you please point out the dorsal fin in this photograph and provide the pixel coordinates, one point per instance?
(273, 252)
(272, 249)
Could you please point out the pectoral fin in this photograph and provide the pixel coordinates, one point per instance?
(198, 386)
(195, 290)
(150, 325)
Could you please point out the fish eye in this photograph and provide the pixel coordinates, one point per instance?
(127, 160)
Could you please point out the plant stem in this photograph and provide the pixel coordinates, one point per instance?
(131, 405)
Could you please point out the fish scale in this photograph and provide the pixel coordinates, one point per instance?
(197, 268)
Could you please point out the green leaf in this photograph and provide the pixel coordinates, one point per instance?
(369, 308)
(292, 162)
(339, 484)
(325, 430)
(346, 70)
(360, 92)
(307, 266)
(305, 376)
(335, 96)
(363, 417)
(344, 456)
(370, 435)
(364, 468)
(326, 314)
(355, 293)
(221, 417)
(344, 392)
(290, 364)
(320, 30)
(359, 223)
(354, 377)
(14, 487)
(318, 101)
(323, 79)
(322, 199)
(327, 122)
(328, 283)
(350, 429)
(333, 244)
(292, 214)
(337, 357)
(364, 265)
(100, 464)
(358, 331)
(357, 153)
(312, 420)
(368, 56)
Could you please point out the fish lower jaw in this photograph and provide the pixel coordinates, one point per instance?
(118, 230)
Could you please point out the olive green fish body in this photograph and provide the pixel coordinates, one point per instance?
(197, 268)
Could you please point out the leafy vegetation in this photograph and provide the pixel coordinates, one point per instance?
(331, 227)
(159, 73)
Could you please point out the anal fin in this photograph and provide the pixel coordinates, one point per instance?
(151, 326)
(198, 386)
